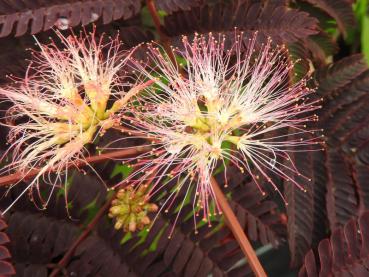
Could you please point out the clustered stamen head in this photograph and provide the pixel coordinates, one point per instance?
(62, 104)
(228, 105)
(232, 105)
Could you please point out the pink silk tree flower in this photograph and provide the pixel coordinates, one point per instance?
(229, 105)
(62, 104)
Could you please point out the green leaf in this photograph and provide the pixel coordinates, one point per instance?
(122, 169)
(127, 237)
(154, 244)
(362, 13)
(91, 209)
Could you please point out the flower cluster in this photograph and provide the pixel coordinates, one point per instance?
(62, 103)
(224, 105)
(230, 105)
(131, 210)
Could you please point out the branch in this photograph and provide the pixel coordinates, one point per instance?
(237, 230)
(67, 256)
(164, 39)
(18, 176)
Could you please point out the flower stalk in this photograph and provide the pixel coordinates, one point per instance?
(163, 37)
(68, 255)
(118, 154)
(234, 225)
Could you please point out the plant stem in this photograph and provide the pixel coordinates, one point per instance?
(163, 37)
(237, 230)
(67, 256)
(16, 177)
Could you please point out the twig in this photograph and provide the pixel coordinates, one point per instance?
(16, 177)
(237, 230)
(164, 39)
(68, 255)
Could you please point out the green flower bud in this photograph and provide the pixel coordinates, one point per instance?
(130, 209)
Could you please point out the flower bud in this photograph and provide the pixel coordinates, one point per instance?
(130, 209)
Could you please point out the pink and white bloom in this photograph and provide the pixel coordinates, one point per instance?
(62, 104)
(229, 105)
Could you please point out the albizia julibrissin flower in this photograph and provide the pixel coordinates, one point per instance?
(62, 104)
(228, 106)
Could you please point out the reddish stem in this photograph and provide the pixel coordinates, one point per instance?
(16, 177)
(67, 256)
(237, 230)
(164, 39)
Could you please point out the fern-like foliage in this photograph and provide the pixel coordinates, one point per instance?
(329, 14)
(171, 6)
(340, 10)
(6, 268)
(271, 18)
(301, 210)
(35, 16)
(321, 46)
(336, 192)
(346, 253)
(344, 87)
(41, 238)
(340, 74)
